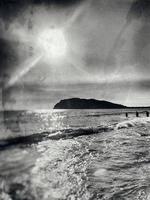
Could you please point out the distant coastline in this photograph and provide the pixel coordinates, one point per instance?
(77, 103)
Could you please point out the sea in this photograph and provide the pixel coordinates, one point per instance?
(74, 155)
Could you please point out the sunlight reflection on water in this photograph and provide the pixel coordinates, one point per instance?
(109, 165)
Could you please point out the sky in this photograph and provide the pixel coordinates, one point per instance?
(56, 49)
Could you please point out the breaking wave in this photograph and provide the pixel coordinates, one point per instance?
(54, 135)
(133, 122)
(71, 133)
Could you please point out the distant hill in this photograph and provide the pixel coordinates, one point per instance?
(77, 103)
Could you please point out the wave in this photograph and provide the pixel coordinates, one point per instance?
(70, 133)
(101, 115)
(53, 135)
(133, 122)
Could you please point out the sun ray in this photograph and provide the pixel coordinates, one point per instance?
(22, 70)
(78, 11)
(79, 65)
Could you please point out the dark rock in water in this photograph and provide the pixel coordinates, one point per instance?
(77, 103)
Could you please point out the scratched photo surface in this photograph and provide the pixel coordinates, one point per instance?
(74, 99)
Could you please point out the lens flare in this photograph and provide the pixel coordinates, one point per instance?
(20, 72)
(52, 43)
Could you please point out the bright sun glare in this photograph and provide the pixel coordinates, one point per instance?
(52, 43)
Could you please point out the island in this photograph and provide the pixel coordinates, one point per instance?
(77, 103)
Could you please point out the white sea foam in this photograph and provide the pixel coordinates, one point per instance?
(100, 172)
(133, 122)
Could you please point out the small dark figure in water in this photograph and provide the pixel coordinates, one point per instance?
(126, 114)
(137, 114)
(147, 114)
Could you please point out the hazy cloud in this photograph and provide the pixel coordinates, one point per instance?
(107, 57)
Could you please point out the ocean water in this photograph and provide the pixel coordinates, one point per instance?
(74, 155)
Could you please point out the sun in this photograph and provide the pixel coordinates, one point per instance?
(52, 43)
